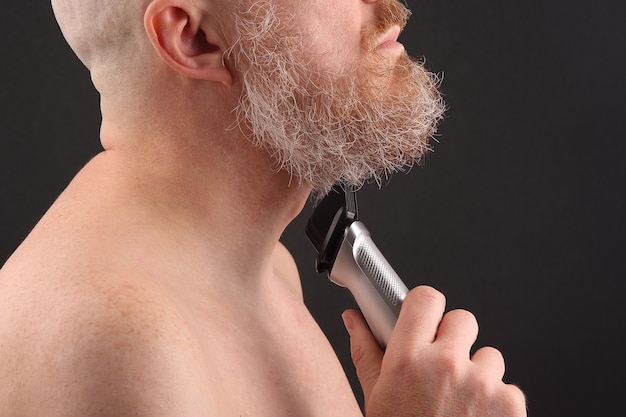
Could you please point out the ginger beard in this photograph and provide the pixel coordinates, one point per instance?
(322, 126)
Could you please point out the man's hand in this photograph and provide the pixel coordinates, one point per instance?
(426, 369)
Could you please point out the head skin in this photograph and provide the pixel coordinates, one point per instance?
(326, 108)
(106, 36)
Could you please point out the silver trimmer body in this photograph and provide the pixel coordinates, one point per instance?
(346, 251)
(361, 268)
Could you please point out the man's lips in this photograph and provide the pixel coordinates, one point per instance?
(389, 40)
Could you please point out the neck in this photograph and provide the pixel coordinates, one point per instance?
(208, 187)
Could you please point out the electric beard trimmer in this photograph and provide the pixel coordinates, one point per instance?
(348, 254)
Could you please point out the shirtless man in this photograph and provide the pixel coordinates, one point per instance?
(155, 285)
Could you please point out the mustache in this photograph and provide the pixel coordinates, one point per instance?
(388, 13)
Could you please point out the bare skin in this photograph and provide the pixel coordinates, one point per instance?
(121, 313)
(156, 284)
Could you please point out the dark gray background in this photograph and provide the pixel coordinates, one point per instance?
(516, 216)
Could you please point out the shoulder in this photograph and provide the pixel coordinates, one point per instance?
(92, 349)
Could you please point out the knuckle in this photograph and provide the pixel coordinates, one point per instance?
(464, 315)
(358, 355)
(482, 389)
(406, 365)
(467, 318)
(491, 361)
(427, 295)
(508, 399)
(515, 399)
(447, 363)
(404, 362)
(494, 354)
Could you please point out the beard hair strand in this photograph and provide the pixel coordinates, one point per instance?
(322, 126)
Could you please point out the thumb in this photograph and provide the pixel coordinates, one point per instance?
(366, 354)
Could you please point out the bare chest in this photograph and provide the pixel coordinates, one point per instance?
(279, 367)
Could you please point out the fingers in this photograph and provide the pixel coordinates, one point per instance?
(490, 360)
(422, 321)
(366, 354)
(458, 329)
(419, 318)
(427, 369)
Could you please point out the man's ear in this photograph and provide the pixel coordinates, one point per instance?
(186, 41)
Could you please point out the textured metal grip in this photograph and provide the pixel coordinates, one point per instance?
(377, 289)
(375, 266)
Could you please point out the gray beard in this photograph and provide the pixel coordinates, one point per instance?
(324, 127)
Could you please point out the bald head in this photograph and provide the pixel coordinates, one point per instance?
(121, 41)
(142, 55)
(102, 33)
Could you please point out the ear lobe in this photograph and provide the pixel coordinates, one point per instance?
(185, 41)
